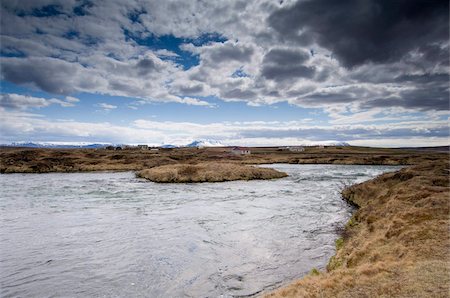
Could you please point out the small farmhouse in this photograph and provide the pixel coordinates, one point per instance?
(142, 147)
(296, 149)
(240, 150)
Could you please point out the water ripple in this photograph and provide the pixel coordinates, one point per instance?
(113, 235)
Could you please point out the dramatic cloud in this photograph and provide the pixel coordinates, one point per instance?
(349, 59)
(361, 31)
(48, 74)
(286, 64)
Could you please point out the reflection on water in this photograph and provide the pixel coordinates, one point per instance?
(113, 235)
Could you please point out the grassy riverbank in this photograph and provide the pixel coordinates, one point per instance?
(396, 244)
(208, 172)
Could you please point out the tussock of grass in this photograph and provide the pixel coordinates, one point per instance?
(207, 172)
(314, 272)
(397, 244)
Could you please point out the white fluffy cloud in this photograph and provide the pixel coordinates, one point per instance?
(23, 102)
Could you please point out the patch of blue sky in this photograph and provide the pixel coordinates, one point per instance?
(71, 34)
(11, 53)
(239, 73)
(42, 12)
(80, 10)
(173, 44)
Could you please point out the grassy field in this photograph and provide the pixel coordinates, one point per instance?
(208, 172)
(27, 160)
(396, 245)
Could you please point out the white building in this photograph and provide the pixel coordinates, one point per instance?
(240, 150)
(296, 148)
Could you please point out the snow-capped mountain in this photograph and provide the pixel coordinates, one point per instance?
(205, 143)
(330, 143)
(56, 145)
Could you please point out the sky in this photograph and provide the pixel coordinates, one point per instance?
(240, 72)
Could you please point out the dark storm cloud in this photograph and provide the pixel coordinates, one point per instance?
(328, 98)
(51, 75)
(360, 31)
(146, 66)
(238, 94)
(231, 52)
(191, 90)
(431, 92)
(286, 64)
(286, 56)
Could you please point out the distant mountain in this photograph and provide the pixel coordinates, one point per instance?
(194, 144)
(205, 143)
(330, 143)
(61, 145)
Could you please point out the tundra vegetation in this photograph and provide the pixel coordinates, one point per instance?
(29, 160)
(396, 244)
(208, 172)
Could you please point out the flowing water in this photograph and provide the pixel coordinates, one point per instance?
(113, 235)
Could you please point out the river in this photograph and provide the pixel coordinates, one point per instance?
(113, 235)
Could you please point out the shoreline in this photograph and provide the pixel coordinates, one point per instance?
(386, 244)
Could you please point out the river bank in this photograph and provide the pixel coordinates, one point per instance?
(395, 245)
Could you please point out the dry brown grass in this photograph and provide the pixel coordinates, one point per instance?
(27, 160)
(207, 172)
(396, 245)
